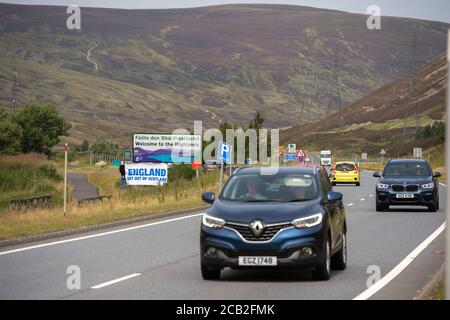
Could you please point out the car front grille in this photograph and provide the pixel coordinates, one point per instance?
(407, 188)
(412, 187)
(267, 235)
(256, 253)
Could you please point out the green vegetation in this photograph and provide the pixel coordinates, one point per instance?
(28, 175)
(434, 133)
(101, 145)
(128, 203)
(34, 128)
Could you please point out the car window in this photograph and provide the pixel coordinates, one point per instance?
(411, 169)
(345, 167)
(282, 187)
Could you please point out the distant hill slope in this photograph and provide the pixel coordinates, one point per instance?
(155, 70)
(383, 118)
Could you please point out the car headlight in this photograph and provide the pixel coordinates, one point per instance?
(309, 221)
(382, 186)
(213, 222)
(428, 186)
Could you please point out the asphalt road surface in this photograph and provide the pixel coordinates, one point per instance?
(82, 188)
(160, 260)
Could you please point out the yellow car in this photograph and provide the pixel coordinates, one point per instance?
(345, 172)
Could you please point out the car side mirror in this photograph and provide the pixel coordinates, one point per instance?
(377, 175)
(334, 196)
(208, 197)
(436, 174)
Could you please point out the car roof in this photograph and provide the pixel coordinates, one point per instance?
(408, 161)
(297, 169)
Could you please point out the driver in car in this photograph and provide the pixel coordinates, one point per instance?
(252, 191)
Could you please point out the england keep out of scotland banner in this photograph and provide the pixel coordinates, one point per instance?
(146, 174)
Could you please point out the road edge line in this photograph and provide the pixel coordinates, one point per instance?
(96, 227)
(391, 275)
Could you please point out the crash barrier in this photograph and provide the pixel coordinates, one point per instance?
(44, 201)
(94, 199)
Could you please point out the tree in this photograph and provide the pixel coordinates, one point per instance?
(42, 126)
(257, 122)
(101, 145)
(84, 146)
(10, 135)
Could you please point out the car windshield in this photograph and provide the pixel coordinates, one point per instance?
(345, 167)
(287, 187)
(415, 169)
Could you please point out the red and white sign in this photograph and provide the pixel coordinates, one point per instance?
(301, 153)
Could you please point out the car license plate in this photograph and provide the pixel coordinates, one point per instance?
(405, 196)
(257, 261)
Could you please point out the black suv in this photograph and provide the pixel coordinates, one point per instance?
(407, 182)
(288, 219)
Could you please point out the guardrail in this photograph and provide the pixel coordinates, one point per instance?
(44, 201)
(94, 199)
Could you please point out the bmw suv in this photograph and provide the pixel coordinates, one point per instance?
(407, 182)
(290, 219)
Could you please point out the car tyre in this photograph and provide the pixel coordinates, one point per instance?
(358, 184)
(333, 184)
(339, 259)
(210, 274)
(322, 271)
(380, 207)
(433, 207)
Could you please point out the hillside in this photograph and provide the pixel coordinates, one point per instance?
(382, 118)
(156, 70)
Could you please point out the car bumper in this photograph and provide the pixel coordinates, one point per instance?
(287, 246)
(345, 179)
(421, 198)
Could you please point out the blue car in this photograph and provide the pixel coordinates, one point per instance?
(407, 182)
(287, 219)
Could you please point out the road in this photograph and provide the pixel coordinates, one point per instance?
(82, 188)
(160, 260)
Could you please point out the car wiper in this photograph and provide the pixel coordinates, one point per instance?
(298, 200)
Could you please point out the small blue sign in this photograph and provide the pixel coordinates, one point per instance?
(290, 157)
(224, 152)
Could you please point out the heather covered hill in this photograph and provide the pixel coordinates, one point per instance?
(155, 70)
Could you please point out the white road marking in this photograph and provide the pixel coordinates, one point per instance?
(97, 235)
(370, 195)
(105, 284)
(362, 199)
(350, 204)
(442, 184)
(400, 267)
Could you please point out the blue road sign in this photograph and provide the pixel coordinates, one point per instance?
(290, 157)
(224, 152)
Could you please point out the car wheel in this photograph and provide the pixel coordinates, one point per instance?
(381, 207)
(334, 184)
(432, 208)
(339, 259)
(322, 271)
(210, 274)
(358, 184)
